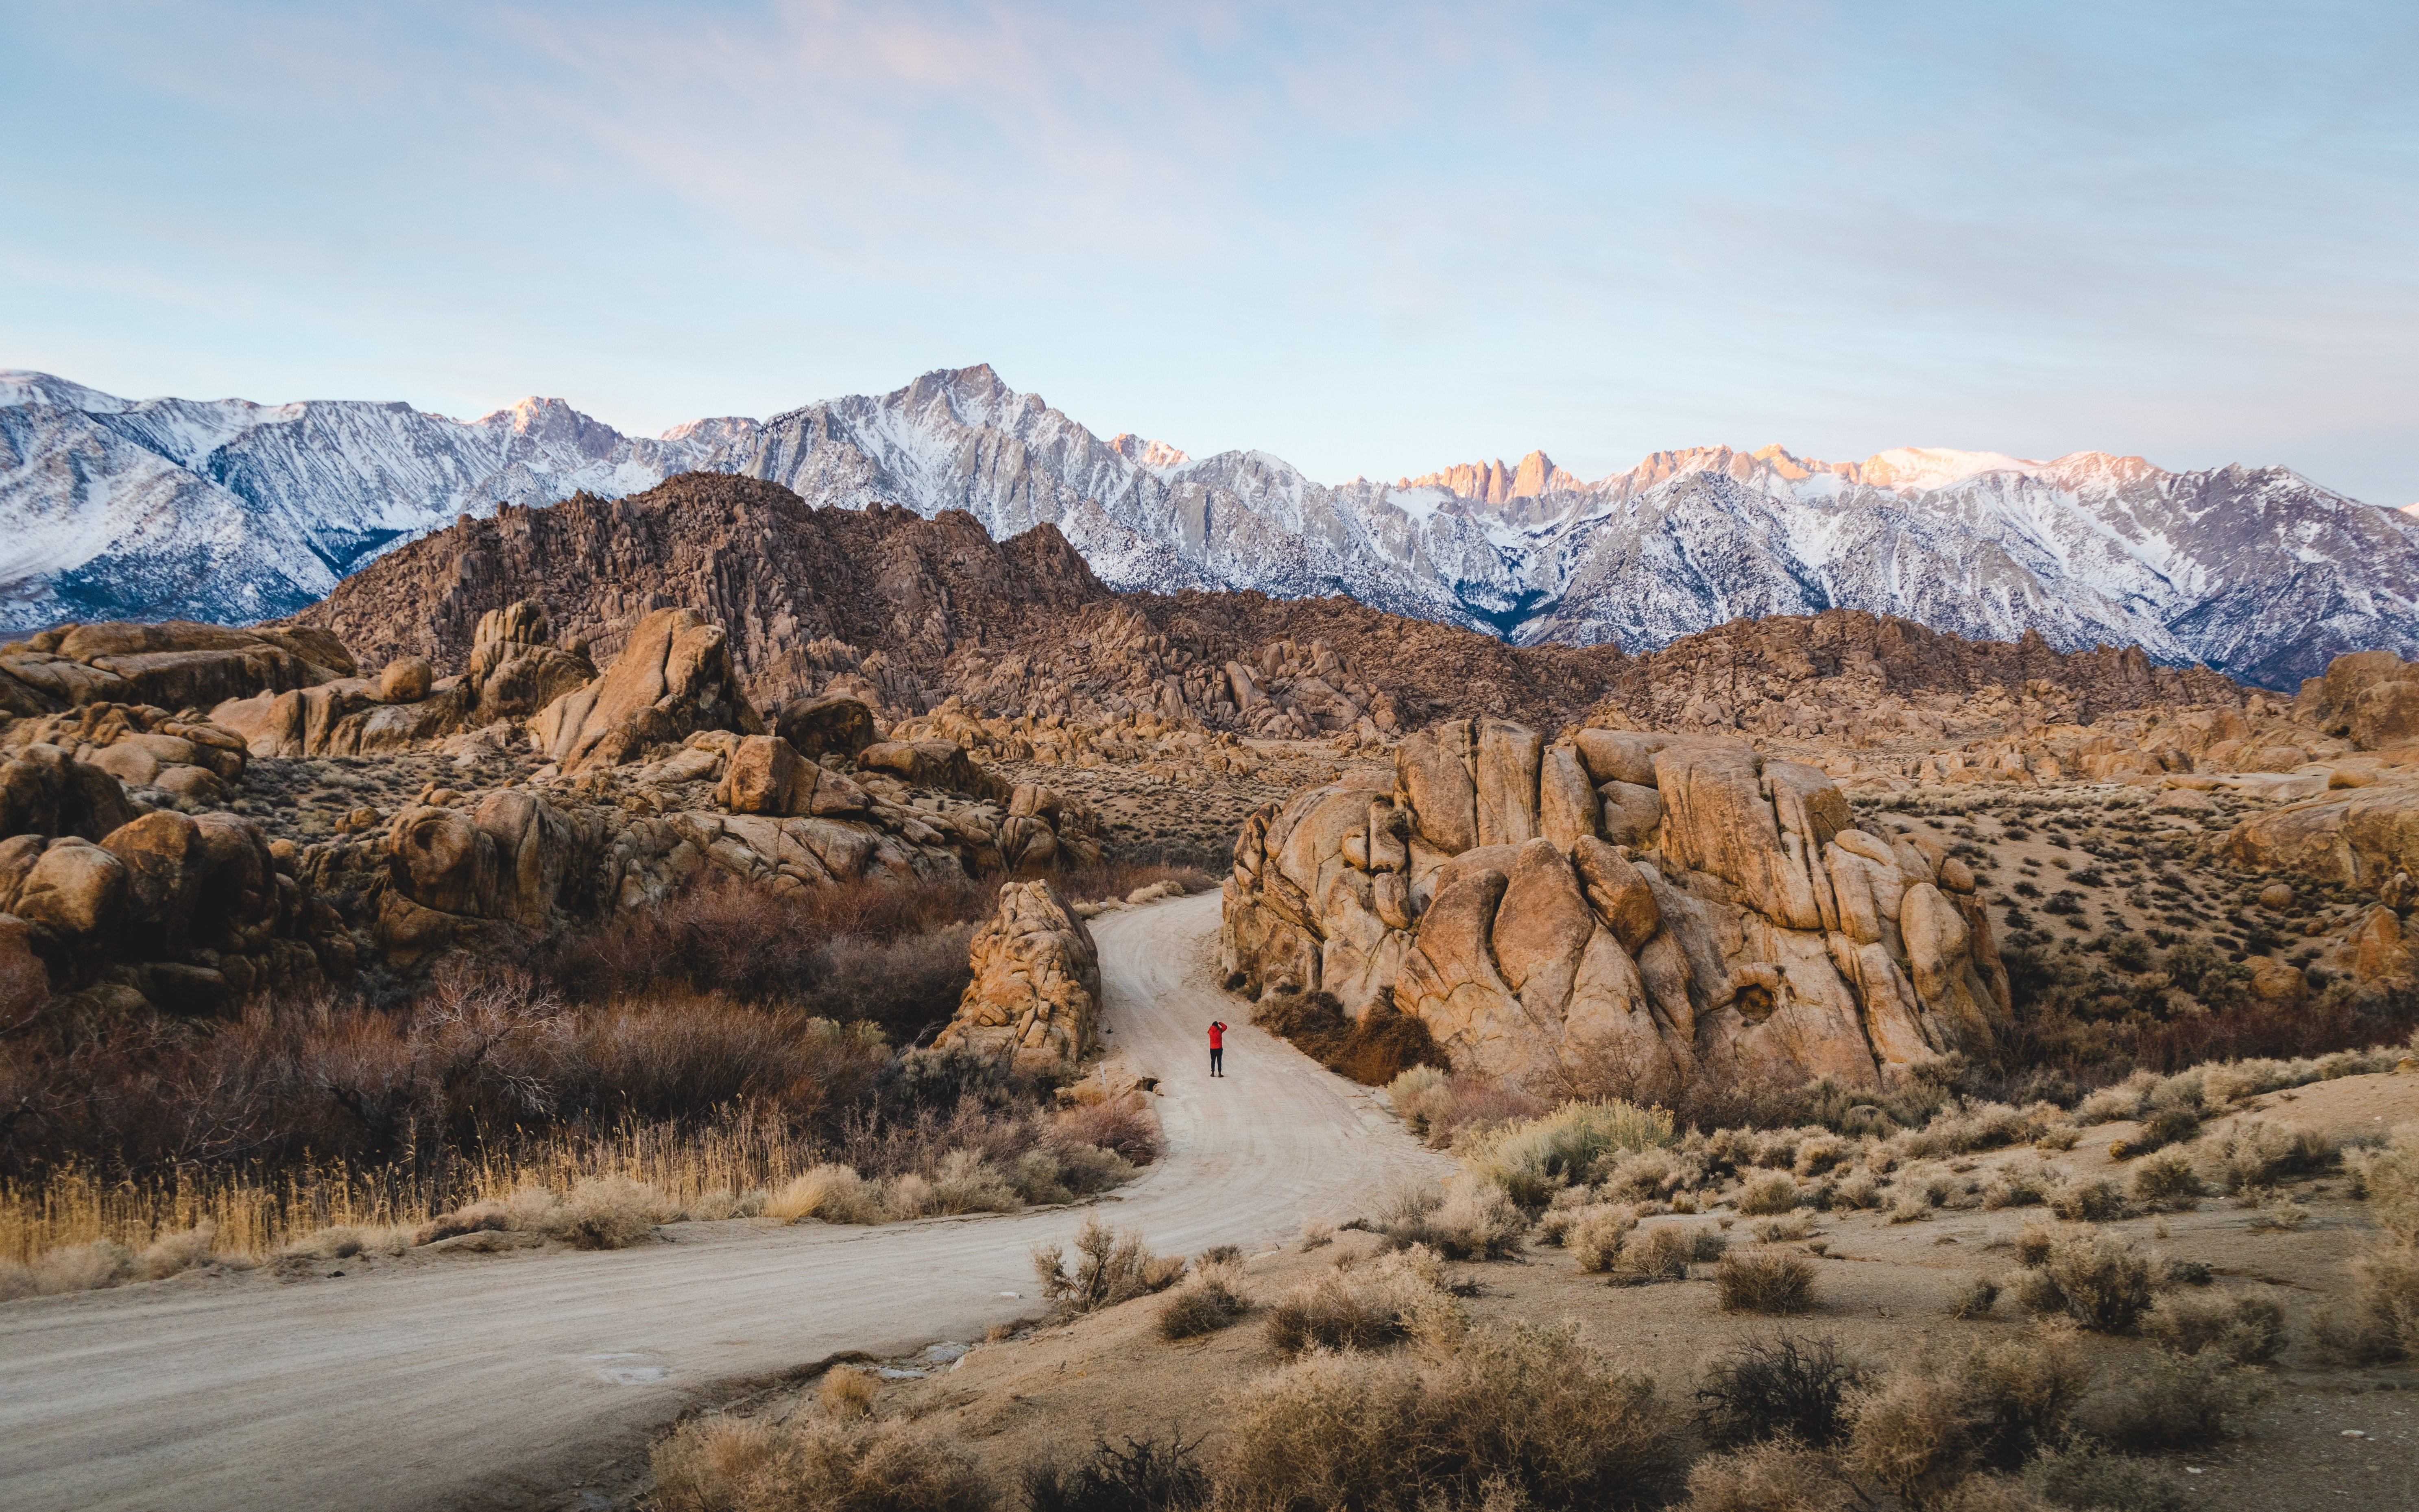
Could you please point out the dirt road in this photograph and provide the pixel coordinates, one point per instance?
(497, 1382)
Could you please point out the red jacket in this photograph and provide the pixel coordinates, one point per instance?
(1217, 1036)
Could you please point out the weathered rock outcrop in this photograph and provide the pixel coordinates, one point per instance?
(1742, 927)
(178, 665)
(1035, 996)
(672, 679)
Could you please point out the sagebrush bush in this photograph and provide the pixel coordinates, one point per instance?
(2080, 1200)
(848, 1393)
(1206, 1301)
(1769, 1281)
(2176, 1401)
(729, 1465)
(2384, 1320)
(1513, 1417)
(1974, 1297)
(1121, 1125)
(607, 1212)
(1921, 1431)
(1473, 1220)
(2098, 1279)
(833, 1192)
(1595, 1235)
(2256, 1153)
(1530, 1160)
(2089, 1476)
(2167, 1179)
(1662, 1253)
(1366, 1306)
(2245, 1328)
(1777, 1475)
(1769, 1193)
(1109, 1266)
(1790, 1386)
(1146, 1475)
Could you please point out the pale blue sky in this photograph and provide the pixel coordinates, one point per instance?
(1372, 239)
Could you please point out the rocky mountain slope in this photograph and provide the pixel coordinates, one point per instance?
(229, 510)
(906, 612)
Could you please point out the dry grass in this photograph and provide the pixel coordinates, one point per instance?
(733, 1465)
(1366, 1306)
(1206, 1301)
(1520, 1417)
(848, 1393)
(1769, 1281)
(1110, 1266)
(1790, 1387)
(2099, 1280)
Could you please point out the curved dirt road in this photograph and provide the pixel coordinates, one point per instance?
(498, 1381)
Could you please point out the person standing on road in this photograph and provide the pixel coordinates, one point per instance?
(1217, 1048)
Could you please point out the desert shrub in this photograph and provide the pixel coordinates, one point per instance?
(1374, 1050)
(1120, 1125)
(1464, 1104)
(1530, 1161)
(1110, 1266)
(1596, 1234)
(1659, 1254)
(2255, 1153)
(1474, 1221)
(1790, 1386)
(967, 1182)
(1780, 1231)
(2167, 1179)
(2177, 1401)
(607, 1212)
(1143, 1476)
(90, 1267)
(2021, 1392)
(2389, 1180)
(1910, 1208)
(1769, 1281)
(1657, 1172)
(1774, 1476)
(1860, 1189)
(2095, 1278)
(847, 1392)
(1366, 1306)
(1515, 1417)
(729, 1465)
(2384, 1320)
(835, 1193)
(342, 1242)
(175, 1253)
(1419, 1096)
(1910, 1435)
(1767, 1193)
(1206, 1301)
(1974, 1297)
(2086, 1476)
(2247, 1328)
(1821, 1152)
(2016, 1185)
(2161, 1128)
(2086, 1201)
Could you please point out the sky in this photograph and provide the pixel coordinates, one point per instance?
(1372, 239)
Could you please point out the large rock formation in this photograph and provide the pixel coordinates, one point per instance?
(1035, 996)
(178, 665)
(1741, 926)
(672, 678)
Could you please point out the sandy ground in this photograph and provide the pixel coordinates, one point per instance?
(2330, 1437)
(504, 1381)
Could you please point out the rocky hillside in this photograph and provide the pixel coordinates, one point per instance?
(905, 612)
(229, 510)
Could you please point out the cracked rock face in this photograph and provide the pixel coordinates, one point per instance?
(1616, 909)
(1035, 996)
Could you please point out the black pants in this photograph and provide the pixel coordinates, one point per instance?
(1217, 1062)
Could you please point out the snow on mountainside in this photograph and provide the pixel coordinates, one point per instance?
(233, 511)
(229, 510)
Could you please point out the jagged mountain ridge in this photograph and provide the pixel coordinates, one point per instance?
(2255, 571)
(923, 609)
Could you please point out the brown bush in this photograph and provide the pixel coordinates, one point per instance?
(1110, 1266)
(2247, 1328)
(1118, 1124)
(727, 1465)
(1775, 1476)
(1521, 1417)
(1770, 1281)
(2176, 1402)
(1205, 1301)
(1366, 1306)
(848, 1393)
(1790, 1388)
(1372, 1049)
(2095, 1278)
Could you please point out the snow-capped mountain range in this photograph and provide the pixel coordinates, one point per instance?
(232, 511)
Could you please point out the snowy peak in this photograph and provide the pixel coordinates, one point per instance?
(1157, 455)
(1492, 483)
